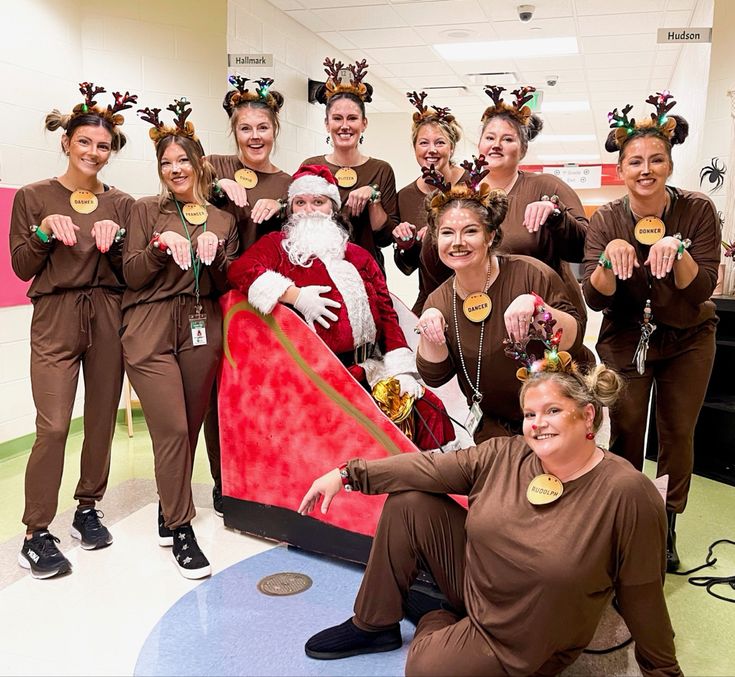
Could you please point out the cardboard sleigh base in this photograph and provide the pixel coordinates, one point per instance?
(289, 412)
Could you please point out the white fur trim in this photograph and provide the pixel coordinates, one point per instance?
(266, 290)
(398, 361)
(314, 185)
(352, 288)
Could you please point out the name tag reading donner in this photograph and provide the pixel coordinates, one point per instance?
(649, 230)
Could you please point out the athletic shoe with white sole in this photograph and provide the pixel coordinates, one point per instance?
(89, 530)
(190, 560)
(42, 557)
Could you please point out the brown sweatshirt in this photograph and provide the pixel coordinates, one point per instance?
(538, 578)
(270, 186)
(55, 266)
(152, 274)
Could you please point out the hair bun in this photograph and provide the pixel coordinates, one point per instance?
(681, 131)
(55, 120)
(227, 101)
(369, 94)
(535, 125)
(278, 98)
(611, 143)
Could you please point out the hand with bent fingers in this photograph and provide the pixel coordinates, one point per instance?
(328, 486)
(234, 191)
(622, 256)
(662, 256)
(518, 316)
(432, 326)
(537, 213)
(61, 227)
(207, 244)
(409, 386)
(265, 209)
(404, 232)
(104, 233)
(315, 307)
(358, 199)
(179, 247)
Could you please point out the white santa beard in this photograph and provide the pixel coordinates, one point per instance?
(313, 236)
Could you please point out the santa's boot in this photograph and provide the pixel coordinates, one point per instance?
(672, 557)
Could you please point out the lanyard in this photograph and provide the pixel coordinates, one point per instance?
(196, 263)
(477, 396)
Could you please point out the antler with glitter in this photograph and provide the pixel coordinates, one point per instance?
(660, 120)
(181, 108)
(660, 101)
(435, 178)
(518, 109)
(476, 171)
(89, 92)
(112, 112)
(553, 359)
(355, 86)
(243, 94)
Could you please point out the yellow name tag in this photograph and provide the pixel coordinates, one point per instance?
(247, 178)
(477, 307)
(195, 214)
(544, 489)
(346, 177)
(83, 201)
(649, 230)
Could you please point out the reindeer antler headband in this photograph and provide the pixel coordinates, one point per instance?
(355, 85)
(660, 120)
(425, 113)
(553, 359)
(242, 93)
(470, 189)
(517, 109)
(181, 108)
(112, 112)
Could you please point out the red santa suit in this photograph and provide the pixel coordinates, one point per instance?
(366, 316)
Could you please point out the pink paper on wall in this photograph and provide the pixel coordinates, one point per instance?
(12, 290)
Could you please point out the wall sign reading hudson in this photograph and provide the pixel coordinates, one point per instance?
(685, 34)
(250, 60)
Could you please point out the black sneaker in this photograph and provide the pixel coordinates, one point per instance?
(347, 639)
(190, 560)
(42, 557)
(165, 535)
(419, 603)
(89, 530)
(217, 501)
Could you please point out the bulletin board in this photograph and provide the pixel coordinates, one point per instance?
(12, 290)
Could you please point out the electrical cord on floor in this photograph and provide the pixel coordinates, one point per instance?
(709, 582)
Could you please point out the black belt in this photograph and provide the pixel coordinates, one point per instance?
(356, 356)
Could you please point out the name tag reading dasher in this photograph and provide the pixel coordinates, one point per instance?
(198, 325)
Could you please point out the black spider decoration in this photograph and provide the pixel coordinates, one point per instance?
(714, 173)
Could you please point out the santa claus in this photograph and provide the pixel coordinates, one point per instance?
(337, 287)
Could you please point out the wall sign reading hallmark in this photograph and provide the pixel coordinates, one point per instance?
(685, 34)
(250, 60)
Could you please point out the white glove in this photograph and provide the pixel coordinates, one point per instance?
(315, 307)
(410, 386)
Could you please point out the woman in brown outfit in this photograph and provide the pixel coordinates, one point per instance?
(555, 527)
(251, 188)
(175, 263)
(434, 134)
(367, 186)
(650, 266)
(490, 295)
(66, 234)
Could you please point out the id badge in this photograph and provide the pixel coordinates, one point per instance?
(473, 418)
(198, 326)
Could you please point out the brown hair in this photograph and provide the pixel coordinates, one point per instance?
(599, 387)
(489, 207)
(678, 136)
(272, 111)
(203, 170)
(70, 123)
(525, 133)
(450, 129)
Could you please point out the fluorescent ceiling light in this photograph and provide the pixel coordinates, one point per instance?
(507, 49)
(482, 79)
(565, 106)
(570, 157)
(565, 138)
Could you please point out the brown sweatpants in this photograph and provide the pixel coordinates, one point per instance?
(69, 329)
(424, 530)
(173, 379)
(678, 364)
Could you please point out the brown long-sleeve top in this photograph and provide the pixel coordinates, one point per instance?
(54, 265)
(372, 172)
(694, 216)
(498, 383)
(270, 186)
(423, 255)
(152, 274)
(538, 578)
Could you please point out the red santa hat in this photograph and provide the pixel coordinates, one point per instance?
(314, 180)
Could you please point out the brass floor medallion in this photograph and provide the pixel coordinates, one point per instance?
(285, 583)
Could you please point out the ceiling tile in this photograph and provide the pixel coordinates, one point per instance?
(618, 43)
(676, 19)
(327, 4)
(505, 10)
(425, 68)
(626, 62)
(470, 32)
(397, 55)
(384, 37)
(645, 23)
(597, 7)
(287, 4)
(337, 39)
(366, 17)
(543, 28)
(440, 13)
(538, 78)
(311, 21)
